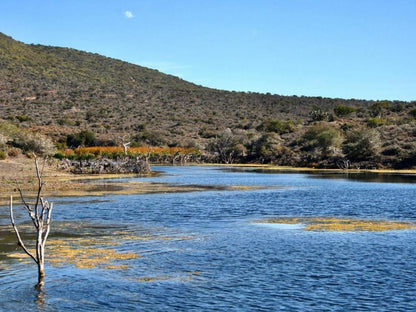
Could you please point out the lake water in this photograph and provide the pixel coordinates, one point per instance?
(204, 253)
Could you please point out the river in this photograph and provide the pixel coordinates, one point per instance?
(202, 251)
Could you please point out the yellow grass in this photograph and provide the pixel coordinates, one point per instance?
(343, 225)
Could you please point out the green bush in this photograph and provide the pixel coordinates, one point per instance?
(59, 155)
(82, 138)
(277, 126)
(85, 156)
(377, 108)
(376, 122)
(323, 137)
(22, 118)
(361, 144)
(2, 155)
(344, 110)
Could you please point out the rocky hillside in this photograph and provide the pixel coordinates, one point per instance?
(60, 92)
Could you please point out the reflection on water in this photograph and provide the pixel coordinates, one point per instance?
(201, 252)
(40, 299)
(370, 177)
(337, 174)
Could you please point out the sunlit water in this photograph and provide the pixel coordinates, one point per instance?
(218, 260)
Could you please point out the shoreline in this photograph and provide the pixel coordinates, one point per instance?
(61, 183)
(298, 169)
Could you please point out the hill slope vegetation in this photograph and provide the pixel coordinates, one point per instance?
(62, 92)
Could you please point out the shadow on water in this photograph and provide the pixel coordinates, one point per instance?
(352, 176)
(368, 177)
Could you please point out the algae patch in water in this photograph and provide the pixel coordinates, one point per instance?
(92, 246)
(342, 225)
(84, 254)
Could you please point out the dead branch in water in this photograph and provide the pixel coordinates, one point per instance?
(40, 214)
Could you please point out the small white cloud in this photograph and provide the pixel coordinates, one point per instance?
(128, 14)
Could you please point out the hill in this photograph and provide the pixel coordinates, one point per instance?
(61, 91)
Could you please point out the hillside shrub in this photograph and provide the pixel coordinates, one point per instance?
(277, 126)
(361, 144)
(391, 151)
(2, 155)
(3, 139)
(34, 142)
(322, 137)
(376, 122)
(82, 138)
(377, 108)
(13, 152)
(318, 114)
(343, 110)
(22, 118)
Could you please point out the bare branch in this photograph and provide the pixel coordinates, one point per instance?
(19, 239)
(38, 174)
(44, 205)
(48, 224)
(27, 206)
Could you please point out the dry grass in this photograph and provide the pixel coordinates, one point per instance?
(343, 225)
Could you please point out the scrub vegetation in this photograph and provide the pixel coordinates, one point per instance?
(54, 100)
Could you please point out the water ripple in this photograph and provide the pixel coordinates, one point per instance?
(217, 260)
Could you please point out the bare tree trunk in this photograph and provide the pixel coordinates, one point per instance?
(40, 215)
(125, 144)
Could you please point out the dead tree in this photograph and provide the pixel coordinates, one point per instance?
(125, 144)
(40, 213)
(344, 164)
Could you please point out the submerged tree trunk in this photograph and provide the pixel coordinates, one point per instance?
(40, 214)
(41, 274)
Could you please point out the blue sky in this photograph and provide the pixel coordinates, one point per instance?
(333, 48)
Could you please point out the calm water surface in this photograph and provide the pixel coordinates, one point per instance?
(218, 260)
